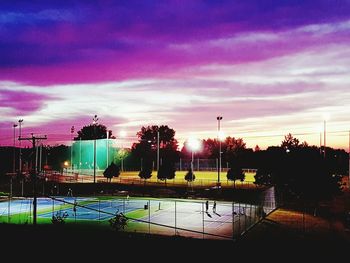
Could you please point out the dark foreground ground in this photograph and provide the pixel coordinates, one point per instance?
(270, 240)
(286, 235)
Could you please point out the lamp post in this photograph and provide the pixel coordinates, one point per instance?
(122, 134)
(324, 140)
(158, 151)
(14, 147)
(107, 148)
(94, 122)
(194, 145)
(320, 143)
(71, 150)
(20, 154)
(65, 166)
(219, 118)
(14, 158)
(20, 150)
(325, 119)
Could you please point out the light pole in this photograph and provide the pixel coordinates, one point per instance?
(320, 143)
(65, 166)
(107, 148)
(71, 150)
(20, 150)
(324, 140)
(14, 157)
(325, 119)
(158, 151)
(194, 144)
(20, 154)
(94, 122)
(122, 134)
(14, 147)
(219, 118)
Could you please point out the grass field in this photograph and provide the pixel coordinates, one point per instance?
(202, 178)
(200, 175)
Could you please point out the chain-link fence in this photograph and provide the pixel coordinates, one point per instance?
(191, 218)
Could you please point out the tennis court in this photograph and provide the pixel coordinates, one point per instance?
(163, 216)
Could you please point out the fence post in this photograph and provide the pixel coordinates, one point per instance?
(99, 211)
(149, 217)
(9, 203)
(239, 218)
(175, 217)
(203, 217)
(233, 220)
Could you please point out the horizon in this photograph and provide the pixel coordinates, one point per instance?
(268, 69)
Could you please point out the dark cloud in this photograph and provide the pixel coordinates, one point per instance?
(22, 102)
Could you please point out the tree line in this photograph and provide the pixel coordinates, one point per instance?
(303, 169)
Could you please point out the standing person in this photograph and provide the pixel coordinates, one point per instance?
(206, 206)
(214, 207)
(75, 209)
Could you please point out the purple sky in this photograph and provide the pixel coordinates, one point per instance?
(268, 67)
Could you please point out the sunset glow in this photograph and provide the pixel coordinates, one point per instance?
(268, 69)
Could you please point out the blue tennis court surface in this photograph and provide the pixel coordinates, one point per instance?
(94, 209)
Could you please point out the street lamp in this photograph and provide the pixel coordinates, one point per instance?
(20, 150)
(94, 122)
(194, 144)
(20, 154)
(14, 147)
(14, 159)
(71, 150)
(325, 119)
(65, 164)
(219, 118)
(122, 134)
(324, 140)
(107, 148)
(349, 160)
(157, 151)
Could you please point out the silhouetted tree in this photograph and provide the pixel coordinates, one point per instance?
(145, 174)
(263, 177)
(166, 171)
(111, 171)
(146, 148)
(56, 156)
(146, 170)
(190, 176)
(93, 131)
(235, 173)
(290, 142)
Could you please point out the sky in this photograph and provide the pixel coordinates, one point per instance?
(267, 67)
